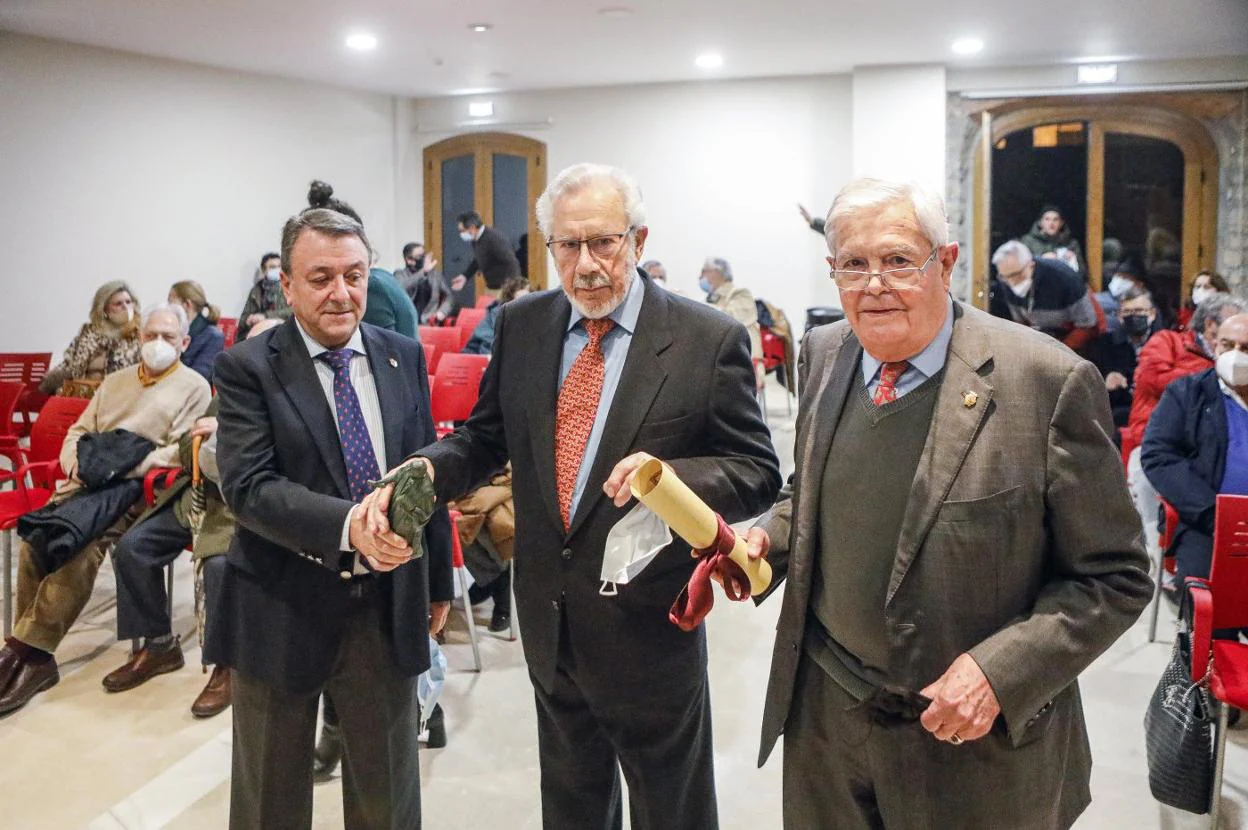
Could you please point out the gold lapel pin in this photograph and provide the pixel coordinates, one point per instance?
(394, 363)
(969, 399)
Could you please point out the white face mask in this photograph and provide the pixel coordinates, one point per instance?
(158, 355)
(121, 316)
(1233, 368)
(467, 236)
(273, 274)
(1021, 289)
(631, 545)
(1119, 286)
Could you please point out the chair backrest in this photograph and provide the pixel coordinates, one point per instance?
(24, 367)
(55, 419)
(467, 323)
(229, 327)
(1229, 573)
(446, 339)
(485, 301)
(10, 391)
(456, 385)
(432, 354)
(773, 348)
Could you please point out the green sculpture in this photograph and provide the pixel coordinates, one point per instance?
(411, 503)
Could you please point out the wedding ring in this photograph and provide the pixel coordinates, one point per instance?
(955, 739)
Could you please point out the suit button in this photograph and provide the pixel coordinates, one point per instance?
(344, 575)
(567, 553)
(554, 605)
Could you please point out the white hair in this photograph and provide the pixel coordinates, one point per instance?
(177, 312)
(578, 176)
(720, 265)
(866, 194)
(1015, 250)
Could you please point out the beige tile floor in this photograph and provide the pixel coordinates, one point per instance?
(79, 758)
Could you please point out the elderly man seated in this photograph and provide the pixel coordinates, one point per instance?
(1044, 294)
(158, 401)
(734, 300)
(1196, 445)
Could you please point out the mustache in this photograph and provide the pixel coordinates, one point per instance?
(592, 281)
(338, 308)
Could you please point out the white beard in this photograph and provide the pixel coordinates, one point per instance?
(607, 308)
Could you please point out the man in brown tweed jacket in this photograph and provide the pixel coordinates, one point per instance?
(958, 542)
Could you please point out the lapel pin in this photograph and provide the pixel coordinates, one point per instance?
(969, 399)
(394, 363)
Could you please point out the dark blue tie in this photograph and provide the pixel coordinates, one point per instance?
(357, 446)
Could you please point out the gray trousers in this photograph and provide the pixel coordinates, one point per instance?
(275, 731)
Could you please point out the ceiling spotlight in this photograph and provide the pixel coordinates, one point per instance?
(710, 60)
(362, 42)
(480, 27)
(968, 46)
(481, 109)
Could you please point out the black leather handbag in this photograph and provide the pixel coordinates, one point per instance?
(1178, 735)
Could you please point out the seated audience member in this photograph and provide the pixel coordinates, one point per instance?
(1206, 284)
(425, 285)
(1196, 445)
(735, 301)
(482, 340)
(1050, 238)
(1123, 278)
(207, 339)
(387, 304)
(1115, 354)
(158, 401)
(1043, 294)
(107, 342)
(1167, 356)
(266, 298)
(655, 271)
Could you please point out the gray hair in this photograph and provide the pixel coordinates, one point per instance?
(1138, 293)
(321, 220)
(578, 176)
(720, 265)
(1014, 250)
(866, 194)
(177, 312)
(1214, 308)
(650, 263)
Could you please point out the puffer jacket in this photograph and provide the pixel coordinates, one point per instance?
(1167, 356)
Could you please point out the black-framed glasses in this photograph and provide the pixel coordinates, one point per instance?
(601, 247)
(902, 278)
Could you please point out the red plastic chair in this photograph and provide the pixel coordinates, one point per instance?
(485, 301)
(445, 339)
(461, 573)
(1223, 663)
(456, 385)
(1168, 564)
(10, 431)
(432, 353)
(27, 368)
(467, 323)
(775, 357)
(229, 327)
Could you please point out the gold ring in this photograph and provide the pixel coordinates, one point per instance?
(955, 739)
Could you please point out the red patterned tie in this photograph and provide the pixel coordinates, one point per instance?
(575, 413)
(886, 390)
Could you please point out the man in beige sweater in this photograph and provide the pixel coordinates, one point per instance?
(159, 400)
(737, 302)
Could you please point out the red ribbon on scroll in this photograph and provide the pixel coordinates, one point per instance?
(698, 597)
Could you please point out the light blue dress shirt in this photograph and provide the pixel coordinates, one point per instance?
(922, 366)
(614, 352)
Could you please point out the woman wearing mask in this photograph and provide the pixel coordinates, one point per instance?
(107, 342)
(1206, 284)
(207, 340)
(266, 298)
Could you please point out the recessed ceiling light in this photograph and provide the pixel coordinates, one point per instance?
(709, 60)
(1096, 73)
(481, 109)
(617, 12)
(480, 27)
(362, 42)
(968, 46)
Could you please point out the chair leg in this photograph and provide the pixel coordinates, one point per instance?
(511, 567)
(1161, 574)
(472, 622)
(1224, 710)
(8, 582)
(169, 591)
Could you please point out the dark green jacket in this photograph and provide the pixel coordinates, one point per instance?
(388, 304)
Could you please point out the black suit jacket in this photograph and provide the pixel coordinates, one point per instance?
(493, 257)
(284, 595)
(686, 396)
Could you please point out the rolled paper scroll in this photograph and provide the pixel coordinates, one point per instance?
(690, 518)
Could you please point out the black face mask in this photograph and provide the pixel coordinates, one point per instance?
(1136, 324)
(416, 263)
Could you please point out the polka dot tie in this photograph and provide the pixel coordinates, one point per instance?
(357, 445)
(886, 389)
(575, 413)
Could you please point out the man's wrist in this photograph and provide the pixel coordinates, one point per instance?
(344, 543)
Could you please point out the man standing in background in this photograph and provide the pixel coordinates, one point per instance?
(491, 254)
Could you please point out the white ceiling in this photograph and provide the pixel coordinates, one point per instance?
(425, 48)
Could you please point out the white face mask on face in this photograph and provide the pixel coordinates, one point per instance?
(1021, 289)
(158, 355)
(121, 316)
(1233, 368)
(1199, 295)
(467, 236)
(273, 274)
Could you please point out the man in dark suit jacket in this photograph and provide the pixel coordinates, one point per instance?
(958, 543)
(308, 413)
(616, 682)
(491, 255)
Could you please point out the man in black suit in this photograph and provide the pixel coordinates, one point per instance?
(309, 412)
(610, 368)
(491, 255)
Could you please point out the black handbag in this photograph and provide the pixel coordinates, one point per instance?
(1178, 735)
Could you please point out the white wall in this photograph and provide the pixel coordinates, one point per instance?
(114, 166)
(721, 165)
(899, 124)
(1130, 73)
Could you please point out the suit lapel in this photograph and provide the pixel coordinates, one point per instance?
(544, 371)
(964, 400)
(293, 365)
(391, 383)
(640, 383)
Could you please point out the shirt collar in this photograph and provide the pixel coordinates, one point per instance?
(929, 361)
(356, 343)
(626, 313)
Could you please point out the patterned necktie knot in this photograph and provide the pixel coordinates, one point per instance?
(597, 329)
(338, 359)
(886, 389)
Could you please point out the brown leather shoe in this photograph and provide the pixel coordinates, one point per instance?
(216, 696)
(143, 666)
(30, 680)
(10, 662)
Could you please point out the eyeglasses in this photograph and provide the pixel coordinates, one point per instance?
(602, 247)
(902, 278)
